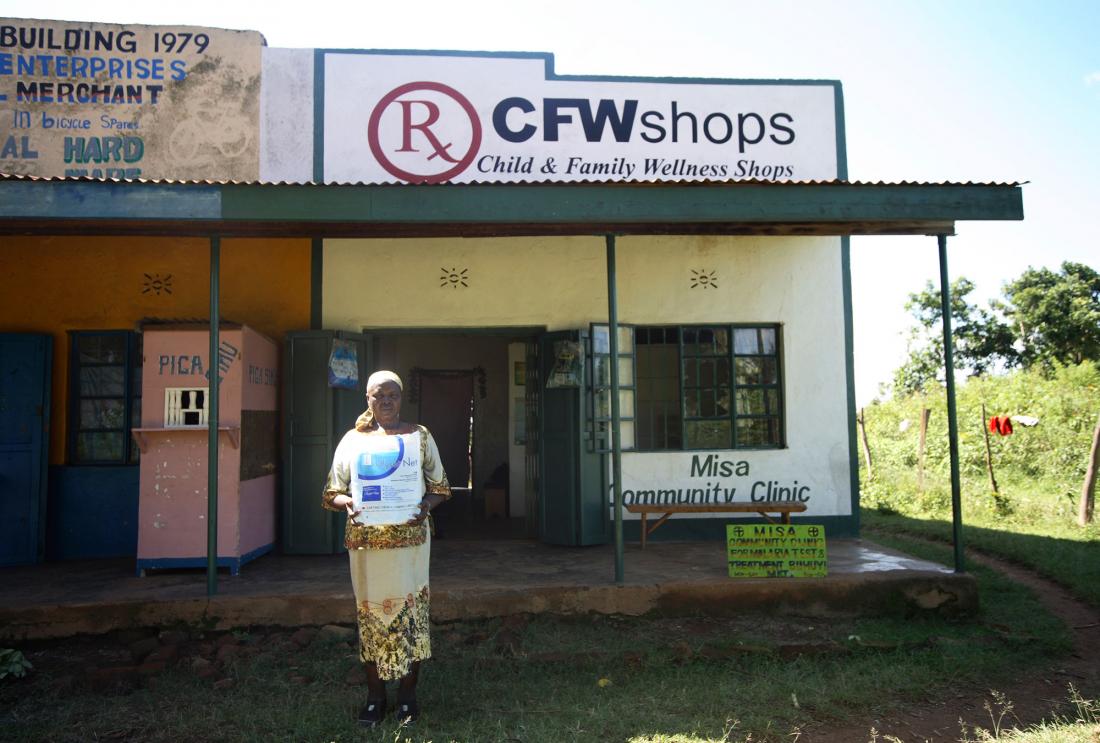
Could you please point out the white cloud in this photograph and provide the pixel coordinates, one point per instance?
(1093, 78)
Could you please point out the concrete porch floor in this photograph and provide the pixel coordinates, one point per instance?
(472, 579)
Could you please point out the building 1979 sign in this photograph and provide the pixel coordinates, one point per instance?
(121, 101)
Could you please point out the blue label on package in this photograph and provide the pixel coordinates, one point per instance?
(372, 493)
(384, 460)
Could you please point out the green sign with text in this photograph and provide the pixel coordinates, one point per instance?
(776, 551)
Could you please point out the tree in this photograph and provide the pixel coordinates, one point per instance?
(981, 340)
(1056, 316)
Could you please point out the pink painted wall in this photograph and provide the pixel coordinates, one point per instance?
(257, 513)
(260, 372)
(173, 498)
(172, 506)
(181, 358)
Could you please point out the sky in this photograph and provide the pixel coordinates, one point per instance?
(934, 90)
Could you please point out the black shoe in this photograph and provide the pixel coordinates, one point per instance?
(373, 713)
(407, 712)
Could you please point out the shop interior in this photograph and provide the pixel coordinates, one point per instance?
(468, 387)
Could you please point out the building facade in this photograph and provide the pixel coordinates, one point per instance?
(734, 353)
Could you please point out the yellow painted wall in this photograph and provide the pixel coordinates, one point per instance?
(561, 282)
(56, 284)
(558, 282)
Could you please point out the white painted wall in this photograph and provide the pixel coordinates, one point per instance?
(286, 116)
(561, 283)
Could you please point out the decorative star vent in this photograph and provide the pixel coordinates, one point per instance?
(453, 277)
(157, 284)
(704, 279)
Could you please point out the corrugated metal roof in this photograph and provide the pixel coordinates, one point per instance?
(640, 183)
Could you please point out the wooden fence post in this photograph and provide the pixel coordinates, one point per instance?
(988, 453)
(925, 414)
(866, 446)
(1088, 490)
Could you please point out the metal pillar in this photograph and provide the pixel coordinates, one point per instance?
(616, 443)
(952, 418)
(213, 369)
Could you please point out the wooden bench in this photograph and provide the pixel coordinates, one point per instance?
(783, 510)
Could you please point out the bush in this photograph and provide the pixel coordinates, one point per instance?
(1039, 469)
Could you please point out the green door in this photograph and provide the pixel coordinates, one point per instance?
(315, 417)
(572, 502)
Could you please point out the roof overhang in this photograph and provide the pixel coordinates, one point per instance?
(85, 207)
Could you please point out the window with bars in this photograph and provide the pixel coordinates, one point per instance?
(186, 406)
(104, 396)
(758, 394)
(692, 387)
(599, 386)
(659, 415)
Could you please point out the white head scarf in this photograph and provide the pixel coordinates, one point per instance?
(383, 376)
(366, 420)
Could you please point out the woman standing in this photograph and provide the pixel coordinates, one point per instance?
(379, 469)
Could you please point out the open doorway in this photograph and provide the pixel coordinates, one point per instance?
(447, 403)
(469, 388)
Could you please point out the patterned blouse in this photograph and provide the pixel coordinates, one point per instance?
(361, 537)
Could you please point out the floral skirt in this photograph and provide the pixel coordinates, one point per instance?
(393, 602)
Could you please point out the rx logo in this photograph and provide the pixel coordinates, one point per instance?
(424, 132)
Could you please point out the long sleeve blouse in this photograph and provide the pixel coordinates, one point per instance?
(364, 537)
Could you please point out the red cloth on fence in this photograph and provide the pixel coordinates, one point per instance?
(1000, 424)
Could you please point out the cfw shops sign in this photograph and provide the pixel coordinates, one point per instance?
(434, 118)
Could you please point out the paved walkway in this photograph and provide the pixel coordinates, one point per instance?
(471, 579)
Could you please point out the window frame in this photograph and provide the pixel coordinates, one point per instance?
(679, 400)
(781, 399)
(131, 393)
(600, 439)
(780, 416)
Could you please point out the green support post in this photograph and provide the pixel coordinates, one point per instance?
(616, 443)
(212, 436)
(952, 417)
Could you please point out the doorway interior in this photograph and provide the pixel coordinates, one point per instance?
(469, 387)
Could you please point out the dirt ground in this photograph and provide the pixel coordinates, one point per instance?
(1033, 698)
(1039, 694)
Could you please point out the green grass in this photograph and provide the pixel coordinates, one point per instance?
(1047, 460)
(1054, 733)
(1058, 550)
(1032, 519)
(1081, 726)
(563, 679)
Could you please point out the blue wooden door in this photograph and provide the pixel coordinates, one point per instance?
(24, 417)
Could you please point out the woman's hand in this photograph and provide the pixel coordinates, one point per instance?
(348, 504)
(425, 509)
(427, 503)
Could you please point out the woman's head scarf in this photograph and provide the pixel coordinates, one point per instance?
(366, 420)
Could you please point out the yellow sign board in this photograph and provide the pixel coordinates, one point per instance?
(776, 551)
